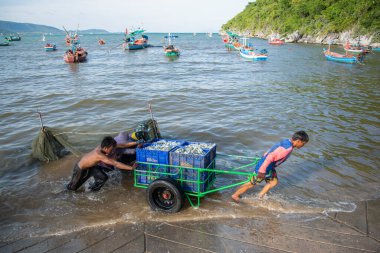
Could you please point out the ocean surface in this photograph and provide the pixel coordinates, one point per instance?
(207, 94)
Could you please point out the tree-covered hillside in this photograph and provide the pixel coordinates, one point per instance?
(310, 17)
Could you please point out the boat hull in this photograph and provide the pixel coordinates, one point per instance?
(13, 38)
(172, 54)
(339, 58)
(4, 44)
(134, 46)
(50, 48)
(253, 56)
(70, 58)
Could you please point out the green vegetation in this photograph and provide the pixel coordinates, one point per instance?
(308, 17)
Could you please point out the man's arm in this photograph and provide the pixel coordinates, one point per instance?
(111, 161)
(127, 145)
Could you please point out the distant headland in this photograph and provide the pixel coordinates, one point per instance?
(8, 27)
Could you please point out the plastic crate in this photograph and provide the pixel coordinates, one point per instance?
(187, 175)
(146, 173)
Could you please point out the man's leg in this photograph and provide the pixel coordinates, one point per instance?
(100, 178)
(272, 183)
(241, 190)
(79, 177)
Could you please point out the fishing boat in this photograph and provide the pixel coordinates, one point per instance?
(231, 40)
(135, 40)
(251, 55)
(76, 53)
(345, 58)
(376, 49)
(276, 41)
(13, 38)
(50, 47)
(353, 49)
(101, 42)
(169, 49)
(79, 55)
(5, 43)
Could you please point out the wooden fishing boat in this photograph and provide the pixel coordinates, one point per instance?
(230, 40)
(276, 41)
(101, 42)
(13, 38)
(169, 49)
(79, 55)
(76, 53)
(5, 43)
(251, 55)
(353, 49)
(50, 47)
(135, 40)
(345, 58)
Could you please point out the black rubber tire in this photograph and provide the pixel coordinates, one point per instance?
(164, 194)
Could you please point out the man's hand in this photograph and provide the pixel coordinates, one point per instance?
(134, 166)
(261, 175)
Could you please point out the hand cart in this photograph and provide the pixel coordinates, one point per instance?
(168, 185)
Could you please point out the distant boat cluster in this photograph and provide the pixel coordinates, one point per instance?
(353, 53)
(246, 50)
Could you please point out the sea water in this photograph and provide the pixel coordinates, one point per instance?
(208, 94)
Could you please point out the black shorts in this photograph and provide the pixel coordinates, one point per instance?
(268, 177)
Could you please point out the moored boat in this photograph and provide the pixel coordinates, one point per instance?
(135, 40)
(79, 55)
(276, 41)
(345, 58)
(13, 38)
(251, 55)
(352, 49)
(76, 53)
(169, 49)
(101, 42)
(4, 43)
(230, 40)
(50, 47)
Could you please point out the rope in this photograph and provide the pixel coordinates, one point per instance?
(92, 133)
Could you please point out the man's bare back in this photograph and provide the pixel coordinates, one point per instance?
(95, 156)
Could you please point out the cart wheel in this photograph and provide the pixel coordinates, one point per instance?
(164, 194)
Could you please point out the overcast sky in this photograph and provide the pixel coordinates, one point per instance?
(116, 15)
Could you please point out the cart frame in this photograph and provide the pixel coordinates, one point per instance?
(154, 171)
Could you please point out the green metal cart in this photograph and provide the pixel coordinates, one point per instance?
(169, 185)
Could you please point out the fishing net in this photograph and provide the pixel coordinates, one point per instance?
(50, 145)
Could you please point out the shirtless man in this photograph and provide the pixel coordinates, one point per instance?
(88, 166)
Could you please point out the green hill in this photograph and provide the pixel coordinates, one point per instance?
(308, 17)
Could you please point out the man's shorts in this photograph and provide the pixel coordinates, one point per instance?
(272, 174)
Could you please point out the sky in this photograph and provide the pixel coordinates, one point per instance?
(116, 15)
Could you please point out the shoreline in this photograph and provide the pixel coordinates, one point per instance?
(357, 231)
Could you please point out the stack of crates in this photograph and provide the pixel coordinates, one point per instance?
(156, 153)
(191, 176)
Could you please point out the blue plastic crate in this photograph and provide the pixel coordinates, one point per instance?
(189, 177)
(147, 173)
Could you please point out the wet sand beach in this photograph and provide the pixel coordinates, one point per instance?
(357, 231)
